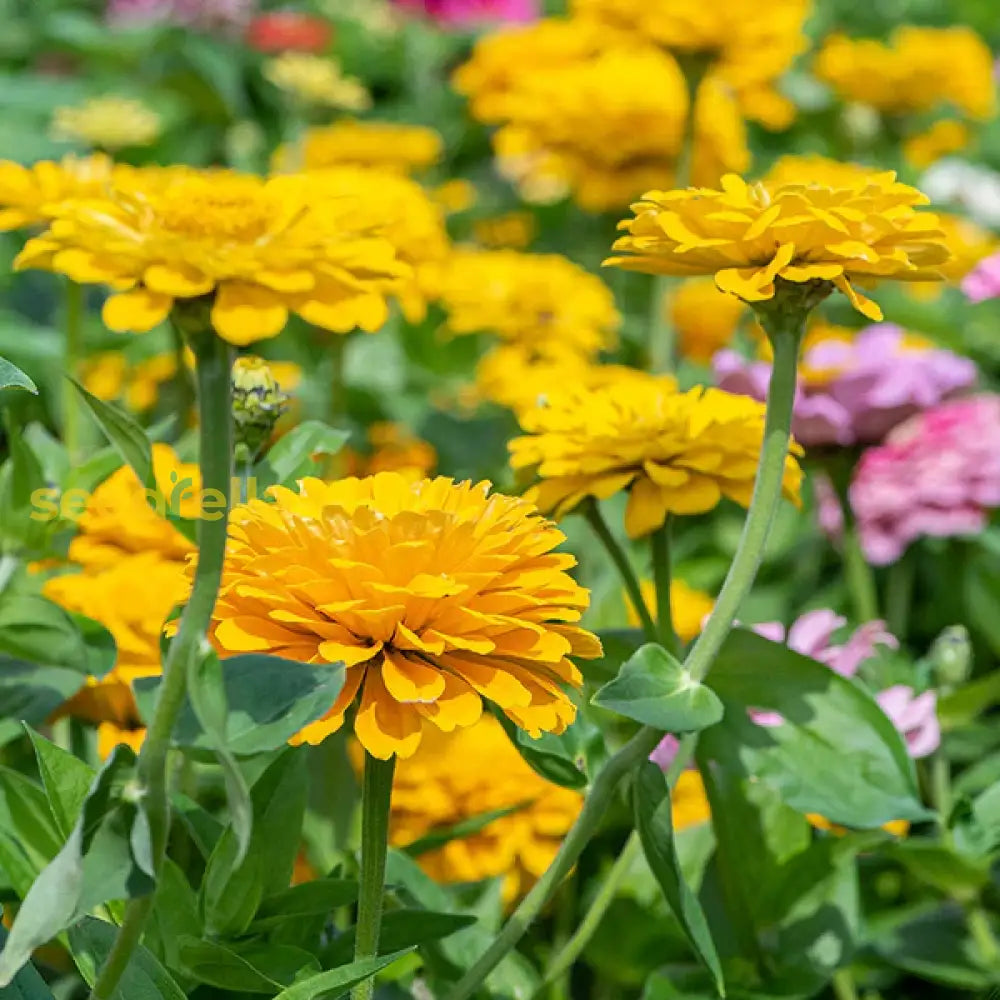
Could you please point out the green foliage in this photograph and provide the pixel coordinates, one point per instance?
(12, 377)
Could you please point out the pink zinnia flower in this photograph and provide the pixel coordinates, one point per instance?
(915, 716)
(938, 474)
(855, 391)
(207, 15)
(468, 13)
(983, 281)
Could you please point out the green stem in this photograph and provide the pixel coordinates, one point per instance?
(376, 796)
(213, 364)
(858, 573)
(978, 922)
(763, 503)
(72, 352)
(899, 594)
(843, 985)
(570, 951)
(184, 392)
(940, 782)
(618, 556)
(660, 545)
(786, 337)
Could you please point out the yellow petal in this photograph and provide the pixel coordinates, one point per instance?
(137, 311)
(245, 313)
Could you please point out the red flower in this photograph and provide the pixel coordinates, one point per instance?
(287, 31)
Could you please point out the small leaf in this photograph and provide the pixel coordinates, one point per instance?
(309, 899)
(66, 778)
(12, 377)
(31, 693)
(654, 823)
(292, 457)
(124, 433)
(265, 970)
(557, 758)
(403, 929)
(336, 983)
(654, 689)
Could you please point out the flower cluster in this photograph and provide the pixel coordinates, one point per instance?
(749, 236)
(432, 593)
(108, 123)
(675, 452)
(854, 388)
(312, 80)
(937, 474)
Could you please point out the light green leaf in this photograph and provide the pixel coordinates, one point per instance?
(292, 457)
(66, 778)
(12, 377)
(336, 983)
(27, 984)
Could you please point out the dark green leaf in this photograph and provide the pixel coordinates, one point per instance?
(270, 968)
(653, 688)
(144, 978)
(557, 758)
(12, 377)
(317, 898)
(337, 982)
(124, 433)
(204, 828)
(654, 824)
(827, 719)
(402, 930)
(27, 984)
(959, 876)
(175, 914)
(66, 778)
(31, 693)
(467, 828)
(977, 833)
(26, 814)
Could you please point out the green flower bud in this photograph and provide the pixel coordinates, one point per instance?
(258, 402)
(950, 657)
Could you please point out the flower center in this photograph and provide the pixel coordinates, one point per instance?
(233, 211)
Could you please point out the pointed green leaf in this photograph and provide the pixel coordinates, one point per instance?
(336, 983)
(402, 929)
(124, 433)
(651, 799)
(27, 984)
(66, 778)
(556, 757)
(12, 377)
(654, 689)
(266, 971)
(292, 457)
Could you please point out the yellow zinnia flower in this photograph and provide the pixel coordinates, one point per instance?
(394, 448)
(316, 80)
(386, 145)
(917, 70)
(32, 195)
(750, 235)
(688, 607)
(814, 169)
(528, 299)
(941, 139)
(109, 123)
(705, 318)
(745, 48)
(131, 597)
(458, 776)
(432, 593)
(264, 248)
(675, 452)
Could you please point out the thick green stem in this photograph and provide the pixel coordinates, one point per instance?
(618, 556)
(570, 951)
(660, 546)
(72, 352)
(763, 503)
(376, 795)
(212, 372)
(859, 576)
(786, 336)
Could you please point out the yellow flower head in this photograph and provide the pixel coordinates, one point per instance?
(942, 139)
(111, 376)
(432, 593)
(33, 195)
(131, 597)
(402, 149)
(108, 123)
(586, 110)
(528, 299)
(745, 48)
(119, 519)
(461, 775)
(917, 70)
(394, 448)
(316, 80)
(814, 169)
(705, 318)
(747, 236)
(688, 607)
(263, 247)
(675, 452)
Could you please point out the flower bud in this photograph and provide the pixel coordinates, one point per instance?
(951, 657)
(258, 402)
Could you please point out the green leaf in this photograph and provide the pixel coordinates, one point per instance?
(31, 693)
(977, 833)
(124, 433)
(27, 984)
(96, 864)
(467, 828)
(336, 983)
(12, 377)
(204, 828)
(291, 458)
(960, 876)
(402, 930)
(175, 914)
(26, 814)
(653, 688)
(144, 978)
(828, 719)
(557, 758)
(309, 899)
(66, 779)
(653, 821)
(218, 965)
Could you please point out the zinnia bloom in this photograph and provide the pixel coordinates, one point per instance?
(705, 318)
(917, 70)
(941, 139)
(938, 474)
(432, 593)
(265, 248)
(915, 716)
(465, 13)
(109, 123)
(402, 149)
(750, 235)
(205, 15)
(854, 388)
(675, 452)
(983, 282)
(33, 195)
(288, 31)
(534, 300)
(313, 80)
(688, 607)
(458, 776)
